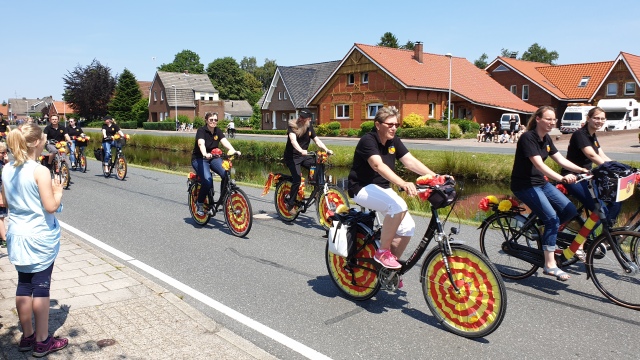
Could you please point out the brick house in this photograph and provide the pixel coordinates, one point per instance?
(289, 92)
(190, 94)
(61, 109)
(559, 85)
(370, 77)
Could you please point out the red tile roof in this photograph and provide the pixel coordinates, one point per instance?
(567, 77)
(634, 64)
(62, 107)
(467, 81)
(530, 69)
(4, 110)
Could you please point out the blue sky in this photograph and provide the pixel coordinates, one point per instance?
(46, 40)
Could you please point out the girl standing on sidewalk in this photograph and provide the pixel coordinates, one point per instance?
(33, 237)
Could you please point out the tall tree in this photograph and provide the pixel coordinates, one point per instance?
(227, 77)
(388, 40)
(481, 62)
(127, 95)
(410, 45)
(89, 89)
(184, 60)
(140, 111)
(249, 64)
(264, 73)
(252, 89)
(538, 53)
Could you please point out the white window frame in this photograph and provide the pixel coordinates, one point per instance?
(514, 89)
(584, 81)
(342, 108)
(161, 116)
(525, 92)
(284, 95)
(155, 96)
(376, 106)
(279, 95)
(633, 92)
(609, 85)
(365, 77)
(161, 95)
(351, 79)
(432, 110)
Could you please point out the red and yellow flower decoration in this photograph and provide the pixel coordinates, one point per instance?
(562, 189)
(226, 164)
(492, 203)
(321, 157)
(272, 178)
(429, 180)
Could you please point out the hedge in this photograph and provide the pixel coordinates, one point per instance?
(163, 125)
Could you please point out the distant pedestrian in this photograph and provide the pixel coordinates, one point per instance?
(33, 237)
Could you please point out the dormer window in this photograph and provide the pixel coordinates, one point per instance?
(584, 81)
(501, 68)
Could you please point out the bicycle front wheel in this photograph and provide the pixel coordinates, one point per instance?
(329, 202)
(479, 305)
(65, 176)
(121, 167)
(493, 237)
(238, 213)
(82, 162)
(607, 273)
(283, 188)
(357, 277)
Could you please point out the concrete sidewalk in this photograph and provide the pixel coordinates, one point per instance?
(109, 311)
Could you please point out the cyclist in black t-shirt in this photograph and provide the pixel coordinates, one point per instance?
(54, 133)
(73, 131)
(109, 130)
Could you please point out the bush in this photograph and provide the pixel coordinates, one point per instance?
(334, 132)
(198, 122)
(322, 130)
(466, 125)
(128, 124)
(366, 127)
(432, 121)
(434, 131)
(412, 120)
(334, 125)
(352, 132)
(163, 125)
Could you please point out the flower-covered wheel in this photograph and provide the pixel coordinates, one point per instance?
(82, 162)
(121, 167)
(328, 203)
(238, 213)
(283, 188)
(356, 278)
(65, 176)
(194, 189)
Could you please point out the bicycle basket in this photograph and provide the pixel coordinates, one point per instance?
(442, 196)
(607, 175)
(98, 154)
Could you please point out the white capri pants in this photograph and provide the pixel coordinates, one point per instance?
(386, 202)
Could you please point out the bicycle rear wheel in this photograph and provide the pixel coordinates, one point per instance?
(238, 213)
(194, 189)
(356, 278)
(121, 167)
(479, 306)
(494, 235)
(330, 202)
(607, 273)
(279, 198)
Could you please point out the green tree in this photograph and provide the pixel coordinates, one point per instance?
(184, 60)
(227, 77)
(264, 73)
(508, 53)
(89, 89)
(481, 62)
(249, 64)
(127, 95)
(140, 111)
(410, 45)
(256, 118)
(538, 53)
(252, 89)
(388, 40)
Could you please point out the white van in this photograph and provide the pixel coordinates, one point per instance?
(622, 114)
(574, 118)
(504, 120)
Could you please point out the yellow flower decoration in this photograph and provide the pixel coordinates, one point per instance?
(492, 199)
(504, 205)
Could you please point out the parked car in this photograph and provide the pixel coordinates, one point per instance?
(574, 118)
(622, 114)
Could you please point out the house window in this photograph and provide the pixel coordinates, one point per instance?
(612, 89)
(279, 95)
(211, 98)
(501, 68)
(285, 95)
(514, 89)
(372, 110)
(351, 78)
(584, 81)
(162, 95)
(432, 110)
(201, 97)
(365, 78)
(342, 111)
(525, 92)
(630, 88)
(161, 116)
(155, 96)
(284, 117)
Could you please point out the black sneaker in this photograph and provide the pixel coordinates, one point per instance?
(3, 243)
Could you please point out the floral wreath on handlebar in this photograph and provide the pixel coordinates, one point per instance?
(492, 203)
(321, 157)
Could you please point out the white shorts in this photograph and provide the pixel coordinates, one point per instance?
(386, 202)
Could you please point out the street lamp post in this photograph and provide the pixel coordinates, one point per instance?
(175, 99)
(449, 100)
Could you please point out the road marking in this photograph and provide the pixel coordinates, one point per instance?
(292, 344)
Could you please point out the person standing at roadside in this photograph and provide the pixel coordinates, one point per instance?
(299, 135)
(4, 126)
(109, 130)
(514, 126)
(54, 133)
(33, 236)
(74, 132)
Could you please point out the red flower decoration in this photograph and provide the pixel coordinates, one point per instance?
(424, 195)
(514, 202)
(562, 189)
(484, 204)
(216, 152)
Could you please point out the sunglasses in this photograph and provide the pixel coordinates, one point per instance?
(212, 119)
(391, 124)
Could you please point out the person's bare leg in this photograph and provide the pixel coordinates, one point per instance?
(41, 312)
(389, 227)
(24, 305)
(399, 244)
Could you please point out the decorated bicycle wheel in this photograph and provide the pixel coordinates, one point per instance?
(82, 163)
(121, 167)
(65, 177)
(479, 305)
(194, 189)
(238, 213)
(328, 204)
(283, 188)
(357, 278)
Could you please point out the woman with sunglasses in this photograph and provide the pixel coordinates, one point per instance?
(208, 137)
(372, 172)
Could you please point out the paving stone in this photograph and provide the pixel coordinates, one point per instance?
(114, 295)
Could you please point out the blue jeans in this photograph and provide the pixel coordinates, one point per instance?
(107, 145)
(551, 206)
(72, 151)
(202, 166)
(581, 192)
(295, 166)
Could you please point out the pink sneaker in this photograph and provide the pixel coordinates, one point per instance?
(387, 259)
(400, 284)
(50, 345)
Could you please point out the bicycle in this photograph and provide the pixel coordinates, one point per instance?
(326, 195)
(60, 165)
(235, 202)
(231, 133)
(513, 243)
(462, 288)
(117, 160)
(81, 158)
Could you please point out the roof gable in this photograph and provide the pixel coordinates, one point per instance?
(531, 71)
(568, 78)
(301, 81)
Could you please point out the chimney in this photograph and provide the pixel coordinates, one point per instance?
(513, 55)
(417, 52)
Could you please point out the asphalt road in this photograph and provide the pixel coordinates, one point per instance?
(277, 276)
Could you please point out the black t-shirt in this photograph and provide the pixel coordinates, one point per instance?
(304, 141)
(524, 174)
(580, 140)
(361, 173)
(74, 131)
(211, 140)
(3, 125)
(513, 123)
(111, 129)
(55, 134)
